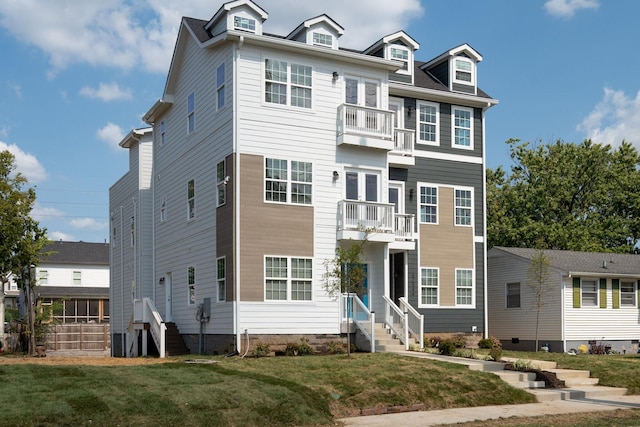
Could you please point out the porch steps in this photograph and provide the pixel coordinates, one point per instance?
(173, 343)
(387, 341)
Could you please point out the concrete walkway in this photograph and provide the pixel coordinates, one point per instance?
(462, 415)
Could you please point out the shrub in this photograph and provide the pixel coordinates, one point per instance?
(582, 349)
(485, 343)
(304, 349)
(496, 352)
(447, 347)
(459, 341)
(261, 349)
(334, 347)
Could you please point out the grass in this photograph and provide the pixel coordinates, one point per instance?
(280, 391)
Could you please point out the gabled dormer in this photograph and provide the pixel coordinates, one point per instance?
(318, 31)
(456, 68)
(241, 15)
(398, 46)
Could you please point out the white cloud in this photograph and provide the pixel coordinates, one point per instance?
(27, 164)
(40, 213)
(616, 117)
(88, 223)
(17, 89)
(567, 8)
(112, 134)
(107, 92)
(141, 33)
(59, 235)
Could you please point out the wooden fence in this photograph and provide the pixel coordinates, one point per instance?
(79, 337)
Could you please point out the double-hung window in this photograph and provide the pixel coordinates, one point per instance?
(222, 279)
(462, 127)
(464, 286)
(428, 127)
(589, 292)
(463, 71)
(288, 279)
(242, 23)
(463, 207)
(288, 181)
(191, 199)
(191, 112)
(627, 293)
(77, 278)
(322, 39)
(222, 183)
(428, 205)
(400, 54)
(513, 295)
(43, 277)
(429, 286)
(191, 285)
(287, 84)
(220, 80)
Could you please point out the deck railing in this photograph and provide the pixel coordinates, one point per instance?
(403, 141)
(353, 309)
(365, 121)
(415, 320)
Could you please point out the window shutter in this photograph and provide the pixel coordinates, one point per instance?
(638, 294)
(603, 293)
(615, 287)
(576, 292)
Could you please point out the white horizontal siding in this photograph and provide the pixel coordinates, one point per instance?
(289, 318)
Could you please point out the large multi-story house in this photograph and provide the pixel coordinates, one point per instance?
(265, 153)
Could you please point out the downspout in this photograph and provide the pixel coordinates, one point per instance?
(484, 220)
(122, 335)
(236, 200)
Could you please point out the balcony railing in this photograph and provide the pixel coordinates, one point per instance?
(374, 221)
(403, 140)
(365, 126)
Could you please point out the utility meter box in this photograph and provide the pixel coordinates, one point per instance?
(206, 308)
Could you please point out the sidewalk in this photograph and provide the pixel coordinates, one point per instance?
(462, 415)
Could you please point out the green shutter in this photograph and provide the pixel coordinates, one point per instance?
(615, 287)
(576, 292)
(603, 293)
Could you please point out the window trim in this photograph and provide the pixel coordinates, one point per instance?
(221, 280)
(43, 277)
(454, 144)
(288, 181)
(419, 140)
(191, 113)
(472, 287)
(288, 84)
(191, 285)
(221, 187)
(321, 34)
(456, 207)
(596, 292)
(77, 278)
(471, 72)
(421, 294)
(436, 205)
(507, 294)
(409, 61)
(244, 23)
(633, 293)
(288, 279)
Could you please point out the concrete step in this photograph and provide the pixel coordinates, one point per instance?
(542, 365)
(588, 392)
(518, 379)
(575, 377)
(389, 347)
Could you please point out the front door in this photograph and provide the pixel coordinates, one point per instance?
(362, 186)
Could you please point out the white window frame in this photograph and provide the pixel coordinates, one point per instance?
(286, 78)
(191, 199)
(285, 273)
(430, 204)
(457, 126)
(77, 278)
(364, 184)
(471, 72)
(422, 302)
(630, 295)
(289, 181)
(221, 279)
(408, 61)
(244, 23)
(420, 122)
(461, 288)
(191, 113)
(43, 277)
(595, 292)
(508, 302)
(220, 86)
(459, 209)
(362, 83)
(191, 285)
(221, 190)
(320, 38)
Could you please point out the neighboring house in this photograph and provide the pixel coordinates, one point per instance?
(592, 298)
(76, 274)
(266, 152)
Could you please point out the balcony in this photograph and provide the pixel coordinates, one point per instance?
(403, 145)
(375, 222)
(365, 127)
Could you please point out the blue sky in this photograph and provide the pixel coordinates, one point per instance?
(76, 76)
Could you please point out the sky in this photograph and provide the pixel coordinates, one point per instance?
(76, 76)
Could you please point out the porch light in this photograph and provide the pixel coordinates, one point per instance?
(335, 76)
(411, 193)
(409, 110)
(161, 281)
(336, 175)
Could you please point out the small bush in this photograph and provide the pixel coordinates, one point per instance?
(459, 341)
(334, 347)
(447, 347)
(261, 350)
(485, 343)
(496, 352)
(304, 349)
(582, 349)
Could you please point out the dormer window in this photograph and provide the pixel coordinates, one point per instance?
(322, 39)
(242, 23)
(463, 71)
(400, 54)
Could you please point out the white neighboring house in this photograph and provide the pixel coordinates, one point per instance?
(593, 298)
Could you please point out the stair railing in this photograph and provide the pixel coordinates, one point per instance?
(396, 320)
(145, 311)
(415, 320)
(360, 315)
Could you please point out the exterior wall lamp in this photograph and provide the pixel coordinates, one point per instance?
(336, 175)
(335, 76)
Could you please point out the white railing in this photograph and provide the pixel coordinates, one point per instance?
(144, 311)
(396, 321)
(403, 141)
(364, 216)
(359, 314)
(415, 320)
(366, 121)
(404, 226)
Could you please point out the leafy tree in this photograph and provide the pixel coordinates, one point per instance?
(21, 238)
(567, 196)
(539, 284)
(345, 274)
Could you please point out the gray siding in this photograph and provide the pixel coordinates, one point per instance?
(441, 72)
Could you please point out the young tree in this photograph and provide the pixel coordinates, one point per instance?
(21, 238)
(345, 274)
(539, 284)
(574, 196)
